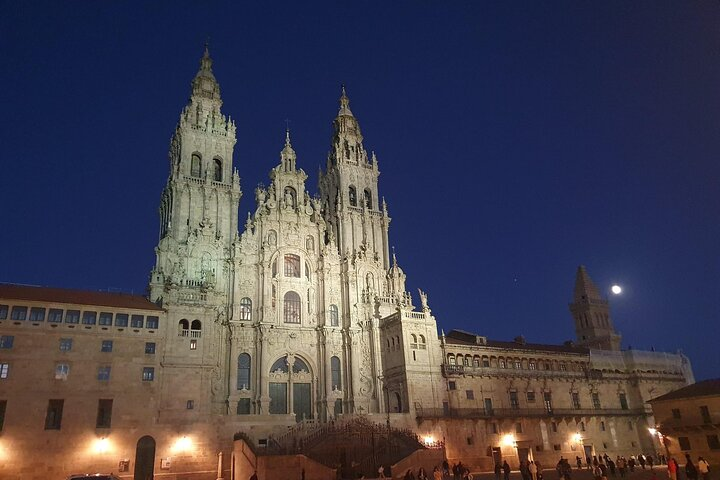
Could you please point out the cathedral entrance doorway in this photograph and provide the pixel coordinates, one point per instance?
(290, 389)
(145, 458)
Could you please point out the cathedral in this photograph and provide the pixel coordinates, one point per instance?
(293, 322)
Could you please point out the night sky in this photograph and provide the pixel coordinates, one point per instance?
(516, 140)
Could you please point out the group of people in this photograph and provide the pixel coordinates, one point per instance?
(692, 470)
(458, 472)
(602, 467)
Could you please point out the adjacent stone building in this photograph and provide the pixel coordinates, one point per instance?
(688, 421)
(301, 317)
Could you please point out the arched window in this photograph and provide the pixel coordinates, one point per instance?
(195, 166)
(183, 326)
(336, 376)
(243, 382)
(367, 199)
(451, 359)
(334, 320)
(353, 196)
(245, 309)
(292, 266)
(280, 365)
(300, 366)
(196, 325)
(422, 345)
(218, 170)
(466, 360)
(414, 338)
(291, 307)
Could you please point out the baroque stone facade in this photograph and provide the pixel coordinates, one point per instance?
(303, 316)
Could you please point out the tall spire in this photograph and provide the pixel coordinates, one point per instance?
(344, 103)
(204, 85)
(591, 313)
(585, 289)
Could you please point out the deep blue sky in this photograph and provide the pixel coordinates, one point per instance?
(516, 140)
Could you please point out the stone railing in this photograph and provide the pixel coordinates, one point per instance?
(450, 370)
(190, 333)
(526, 412)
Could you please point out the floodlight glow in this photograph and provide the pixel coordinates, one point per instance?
(509, 440)
(182, 444)
(577, 438)
(102, 445)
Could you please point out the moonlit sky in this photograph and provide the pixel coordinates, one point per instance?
(516, 140)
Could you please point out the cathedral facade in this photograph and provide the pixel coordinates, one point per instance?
(299, 317)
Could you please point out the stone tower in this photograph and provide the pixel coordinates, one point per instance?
(349, 190)
(593, 326)
(357, 223)
(193, 277)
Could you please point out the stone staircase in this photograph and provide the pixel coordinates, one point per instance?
(352, 444)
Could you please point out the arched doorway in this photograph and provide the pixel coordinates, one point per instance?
(145, 458)
(395, 403)
(291, 388)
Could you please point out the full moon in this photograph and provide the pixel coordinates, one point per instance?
(616, 289)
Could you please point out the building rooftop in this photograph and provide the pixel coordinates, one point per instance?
(29, 293)
(700, 389)
(461, 337)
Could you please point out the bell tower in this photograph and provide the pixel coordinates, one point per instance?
(591, 312)
(349, 191)
(199, 204)
(194, 271)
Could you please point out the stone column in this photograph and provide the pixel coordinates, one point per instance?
(263, 367)
(355, 359)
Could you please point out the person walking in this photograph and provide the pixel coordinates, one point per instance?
(437, 474)
(566, 470)
(621, 466)
(690, 471)
(672, 468)
(498, 470)
(532, 468)
(524, 470)
(506, 470)
(703, 467)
